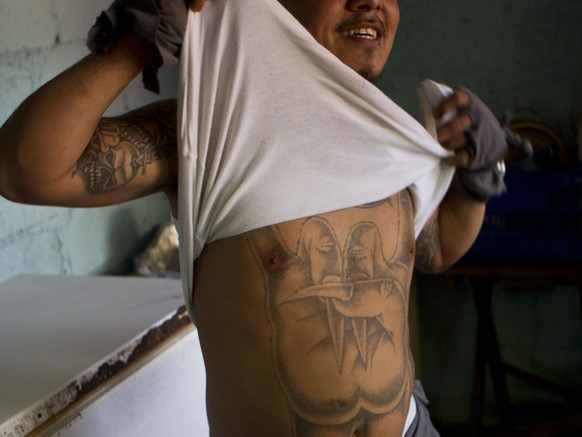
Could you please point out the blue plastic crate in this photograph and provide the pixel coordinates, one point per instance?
(540, 215)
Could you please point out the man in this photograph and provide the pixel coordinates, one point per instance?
(303, 324)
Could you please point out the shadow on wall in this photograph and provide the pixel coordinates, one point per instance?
(68, 241)
(129, 228)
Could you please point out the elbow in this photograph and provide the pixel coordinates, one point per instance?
(427, 270)
(13, 186)
(432, 269)
(437, 261)
(7, 185)
(437, 268)
(18, 188)
(26, 181)
(17, 193)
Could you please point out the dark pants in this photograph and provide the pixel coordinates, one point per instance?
(421, 426)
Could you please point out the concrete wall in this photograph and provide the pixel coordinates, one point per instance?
(39, 39)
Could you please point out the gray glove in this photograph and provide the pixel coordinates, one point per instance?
(160, 24)
(488, 143)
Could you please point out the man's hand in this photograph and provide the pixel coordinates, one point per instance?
(452, 134)
(159, 25)
(469, 129)
(479, 143)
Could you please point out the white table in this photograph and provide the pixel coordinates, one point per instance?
(95, 356)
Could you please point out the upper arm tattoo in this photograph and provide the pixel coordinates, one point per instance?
(428, 246)
(122, 148)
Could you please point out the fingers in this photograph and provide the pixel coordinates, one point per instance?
(452, 134)
(458, 100)
(197, 5)
(461, 158)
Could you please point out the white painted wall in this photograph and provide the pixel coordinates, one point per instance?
(39, 39)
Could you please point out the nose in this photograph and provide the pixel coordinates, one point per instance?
(363, 5)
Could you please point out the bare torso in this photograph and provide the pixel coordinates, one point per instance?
(303, 325)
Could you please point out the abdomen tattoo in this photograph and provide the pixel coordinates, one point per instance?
(338, 311)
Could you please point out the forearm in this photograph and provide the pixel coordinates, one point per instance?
(460, 220)
(451, 232)
(43, 139)
(478, 144)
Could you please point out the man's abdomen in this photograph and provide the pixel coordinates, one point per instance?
(323, 305)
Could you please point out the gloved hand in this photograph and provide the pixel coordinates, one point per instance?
(159, 24)
(487, 146)
(480, 143)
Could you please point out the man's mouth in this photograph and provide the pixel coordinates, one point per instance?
(367, 26)
(362, 32)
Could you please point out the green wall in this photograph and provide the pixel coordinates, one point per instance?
(523, 57)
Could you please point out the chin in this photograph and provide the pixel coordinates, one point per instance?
(369, 72)
(369, 69)
(369, 75)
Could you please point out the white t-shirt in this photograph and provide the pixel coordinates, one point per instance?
(274, 127)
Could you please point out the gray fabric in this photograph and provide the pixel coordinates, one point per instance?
(487, 145)
(421, 426)
(160, 24)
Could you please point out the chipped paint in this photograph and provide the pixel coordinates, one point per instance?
(92, 382)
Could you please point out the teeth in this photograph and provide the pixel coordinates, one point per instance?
(363, 32)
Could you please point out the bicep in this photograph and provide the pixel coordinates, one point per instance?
(128, 157)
